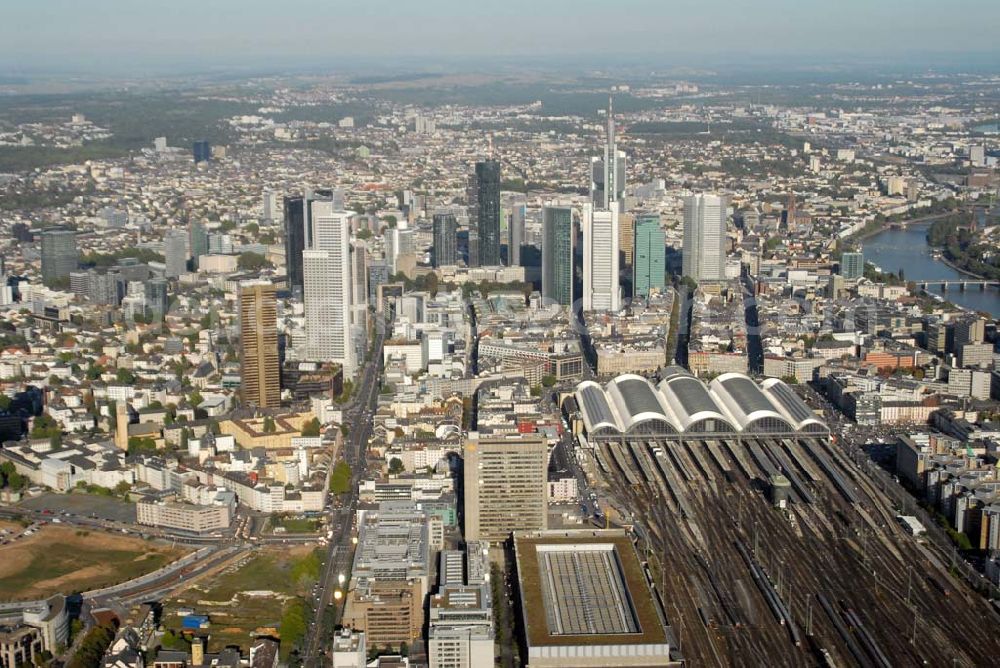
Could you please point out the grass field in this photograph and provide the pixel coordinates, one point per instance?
(274, 577)
(295, 524)
(64, 559)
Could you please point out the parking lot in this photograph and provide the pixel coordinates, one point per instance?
(86, 505)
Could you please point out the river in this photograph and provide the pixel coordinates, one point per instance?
(906, 249)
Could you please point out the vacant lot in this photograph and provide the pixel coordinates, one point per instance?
(64, 559)
(250, 597)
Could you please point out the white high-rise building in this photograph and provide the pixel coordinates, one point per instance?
(326, 278)
(704, 254)
(601, 291)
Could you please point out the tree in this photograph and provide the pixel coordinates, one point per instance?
(364, 234)
(396, 466)
(431, 283)
(45, 426)
(269, 426)
(250, 261)
(123, 488)
(311, 428)
(4, 402)
(340, 478)
(92, 647)
(137, 444)
(548, 380)
(125, 376)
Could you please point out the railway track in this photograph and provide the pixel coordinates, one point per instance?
(722, 618)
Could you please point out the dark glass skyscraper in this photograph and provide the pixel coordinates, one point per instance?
(488, 211)
(202, 151)
(298, 213)
(60, 255)
(445, 243)
(295, 240)
(557, 255)
(198, 240)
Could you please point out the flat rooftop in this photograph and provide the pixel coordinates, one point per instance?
(584, 587)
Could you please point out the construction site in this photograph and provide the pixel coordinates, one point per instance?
(766, 545)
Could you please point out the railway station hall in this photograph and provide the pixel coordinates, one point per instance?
(731, 406)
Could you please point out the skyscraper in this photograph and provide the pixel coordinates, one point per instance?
(488, 211)
(626, 238)
(260, 382)
(157, 299)
(704, 253)
(295, 240)
(852, 265)
(445, 239)
(202, 151)
(515, 233)
(505, 487)
(327, 289)
(270, 207)
(60, 255)
(601, 290)
(175, 253)
(650, 260)
(298, 232)
(607, 181)
(557, 255)
(472, 255)
(198, 238)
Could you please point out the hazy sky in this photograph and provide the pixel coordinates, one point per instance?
(119, 32)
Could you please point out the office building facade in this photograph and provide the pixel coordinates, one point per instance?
(649, 265)
(852, 265)
(601, 289)
(202, 151)
(60, 255)
(557, 255)
(328, 287)
(445, 240)
(175, 253)
(704, 253)
(488, 211)
(515, 233)
(260, 379)
(297, 223)
(505, 485)
(198, 240)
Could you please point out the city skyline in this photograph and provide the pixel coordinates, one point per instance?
(377, 361)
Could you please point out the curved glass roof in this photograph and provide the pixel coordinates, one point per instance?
(682, 402)
(692, 394)
(595, 405)
(639, 396)
(791, 402)
(745, 393)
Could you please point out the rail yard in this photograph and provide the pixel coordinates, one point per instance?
(832, 579)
